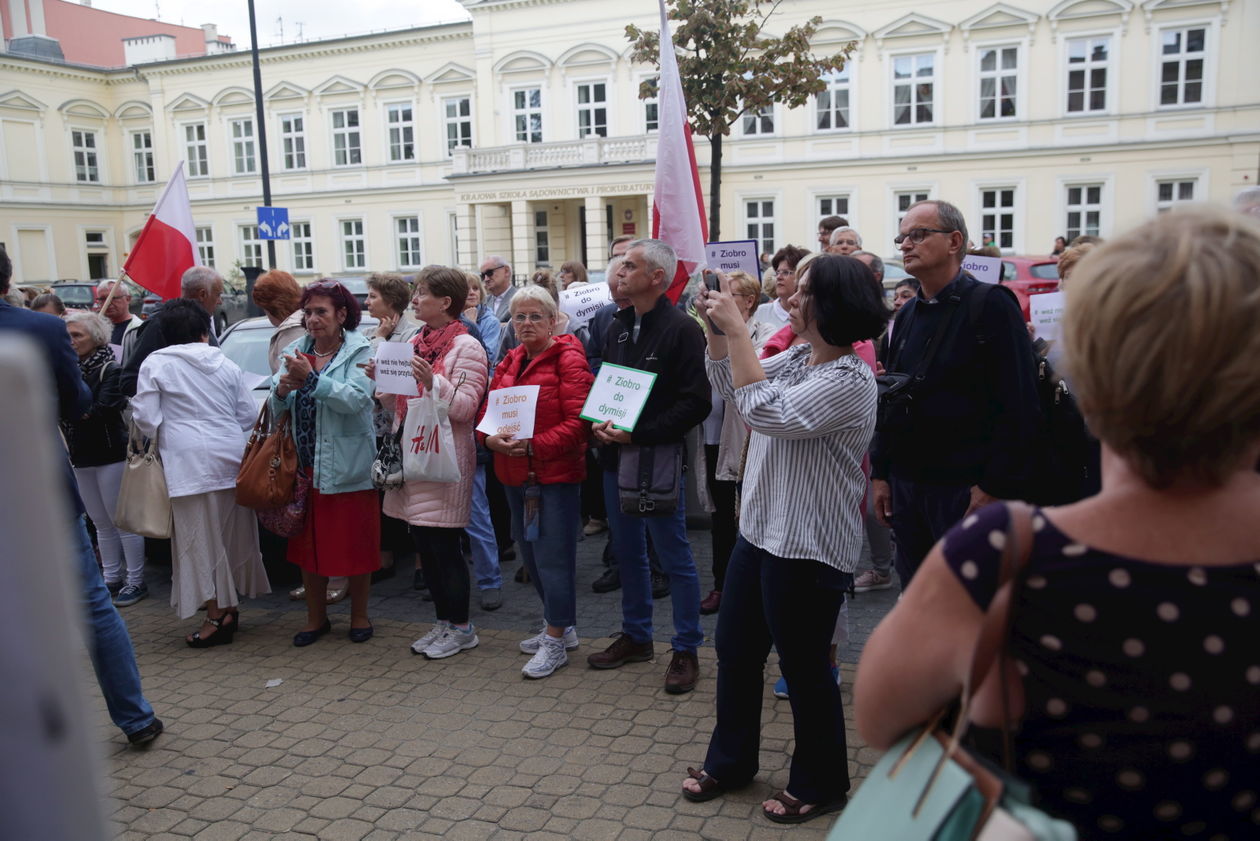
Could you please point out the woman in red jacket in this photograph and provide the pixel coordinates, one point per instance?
(543, 475)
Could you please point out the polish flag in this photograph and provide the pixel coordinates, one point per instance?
(677, 207)
(166, 248)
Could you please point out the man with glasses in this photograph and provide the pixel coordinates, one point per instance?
(119, 314)
(962, 440)
(496, 274)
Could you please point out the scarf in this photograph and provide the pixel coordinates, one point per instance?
(90, 367)
(432, 346)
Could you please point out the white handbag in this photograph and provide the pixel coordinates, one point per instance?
(144, 505)
(428, 444)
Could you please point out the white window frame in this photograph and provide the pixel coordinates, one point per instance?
(844, 83)
(1207, 88)
(196, 150)
(917, 193)
(514, 112)
(244, 146)
(293, 153)
(1084, 207)
(937, 88)
(770, 112)
(142, 162)
(250, 251)
(542, 238)
(396, 150)
(652, 102)
(760, 221)
(847, 196)
(593, 107)
(1198, 179)
(90, 171)
(997, 75)
(302, 242)
(408, 243)
(449, 122)
(1013, 210)
(1111, 65)
(205, 245)
(351, 261)
(351, 136)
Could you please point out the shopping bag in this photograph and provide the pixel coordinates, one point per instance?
(428, 442)
(144, 505)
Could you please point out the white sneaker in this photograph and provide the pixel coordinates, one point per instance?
(530, 646)
(871, 580)
(428, 639)
(451, 642)
(550, 656)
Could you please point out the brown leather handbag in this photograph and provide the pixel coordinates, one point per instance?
(269, 466)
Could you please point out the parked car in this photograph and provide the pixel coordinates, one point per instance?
(233, 306)
(81, 294)
(1029, 276)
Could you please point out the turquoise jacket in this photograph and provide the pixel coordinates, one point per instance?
(345, 442)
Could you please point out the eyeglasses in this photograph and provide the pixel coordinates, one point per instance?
(917, 235)
(785, 273)
(531, 317)
(489, 272)
(324, 284)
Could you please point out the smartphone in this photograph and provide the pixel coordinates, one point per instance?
(713, 284)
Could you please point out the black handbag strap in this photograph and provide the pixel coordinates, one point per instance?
(934, 343)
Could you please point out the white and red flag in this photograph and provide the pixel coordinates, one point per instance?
(677, 206)
(167, 247)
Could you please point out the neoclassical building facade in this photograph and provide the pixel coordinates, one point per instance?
(520, 133)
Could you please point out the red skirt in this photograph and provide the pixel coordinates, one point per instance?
(342, 535)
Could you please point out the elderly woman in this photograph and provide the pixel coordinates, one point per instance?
(811, 410)
(98, 450)
(451, 365)
(572, 273)
(543, 473)
(49, 303)
(784, 264)
(720, 460)
(194, 402)
(477, 312)
(1135, 682)
(323, 387)
(277, 294)
(844, 241)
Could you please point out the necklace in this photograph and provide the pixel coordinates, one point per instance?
(326, 354)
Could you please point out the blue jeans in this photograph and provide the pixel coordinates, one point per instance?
(791, 604)
(669, 538)
(552, 558)
(108, 643)
(480, 531)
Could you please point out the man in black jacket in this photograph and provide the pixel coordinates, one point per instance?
(653, 335)
(963, 442)
(201, 284)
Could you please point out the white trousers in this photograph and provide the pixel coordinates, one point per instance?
(98, 486)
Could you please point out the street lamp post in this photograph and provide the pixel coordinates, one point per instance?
(262, 127)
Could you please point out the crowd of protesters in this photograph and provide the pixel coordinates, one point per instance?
(824, 419)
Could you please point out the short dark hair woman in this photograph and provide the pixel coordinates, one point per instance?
(784, 264)
(811, 411)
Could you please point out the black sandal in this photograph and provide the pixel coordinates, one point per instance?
(222, 634)
(792, 808)
(709, 787)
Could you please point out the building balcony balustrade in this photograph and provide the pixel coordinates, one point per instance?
(589, 151)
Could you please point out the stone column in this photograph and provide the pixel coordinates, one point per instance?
(596, 233)
(522, 239)
(467, 235)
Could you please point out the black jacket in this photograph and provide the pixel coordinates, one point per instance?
(975, 415)
(101, 437)
(149, 337)
(671, 345)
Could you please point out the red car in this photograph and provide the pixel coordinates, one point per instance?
(1030, 276)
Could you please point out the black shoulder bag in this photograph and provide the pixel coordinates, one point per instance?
(896, 389)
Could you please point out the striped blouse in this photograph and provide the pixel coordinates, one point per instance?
(803, 482)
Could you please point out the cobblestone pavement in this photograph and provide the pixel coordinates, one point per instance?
(370, 742)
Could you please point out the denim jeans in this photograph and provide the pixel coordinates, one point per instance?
(669, 537)
(552, 558)
(108, 643)
(791, 604)
(480, 531)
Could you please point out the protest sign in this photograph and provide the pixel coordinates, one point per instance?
(1046, 311)
(618, 395)
(737, 255)
(393, 369)
(579, 303)
(985, 269)
(510, 411)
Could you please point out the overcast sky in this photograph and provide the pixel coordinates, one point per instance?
(315, 21)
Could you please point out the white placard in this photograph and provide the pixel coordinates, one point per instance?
(737, 255)
(579, 303)
(511, 411)
(393, 369)
(984, 269)
(618, 395)
(1046, 311)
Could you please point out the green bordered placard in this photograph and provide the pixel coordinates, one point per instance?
(618, 395)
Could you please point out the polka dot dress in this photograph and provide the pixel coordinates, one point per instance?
(1141, 682)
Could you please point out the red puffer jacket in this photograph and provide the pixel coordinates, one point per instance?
(560, 436)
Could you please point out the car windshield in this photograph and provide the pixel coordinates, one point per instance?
(75, 296)
(1044, 271)
(248, 349)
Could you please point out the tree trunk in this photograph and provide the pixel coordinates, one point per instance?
(715, 187)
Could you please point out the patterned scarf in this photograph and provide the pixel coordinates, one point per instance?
(91, 366)
(433, 345)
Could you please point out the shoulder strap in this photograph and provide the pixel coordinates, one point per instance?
(934, 343)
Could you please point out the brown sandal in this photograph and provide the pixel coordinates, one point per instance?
(709, 787)
(792, 808)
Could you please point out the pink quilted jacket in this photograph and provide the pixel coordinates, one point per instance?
(446, 504)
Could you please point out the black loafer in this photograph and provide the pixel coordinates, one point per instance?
(146, 734)
(361, 634)
(304, 638)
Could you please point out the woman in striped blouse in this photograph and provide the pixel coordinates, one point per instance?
(811, 411)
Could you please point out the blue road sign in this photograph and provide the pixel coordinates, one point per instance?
(273, 222)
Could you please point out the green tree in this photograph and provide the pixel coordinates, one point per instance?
(729, 68)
